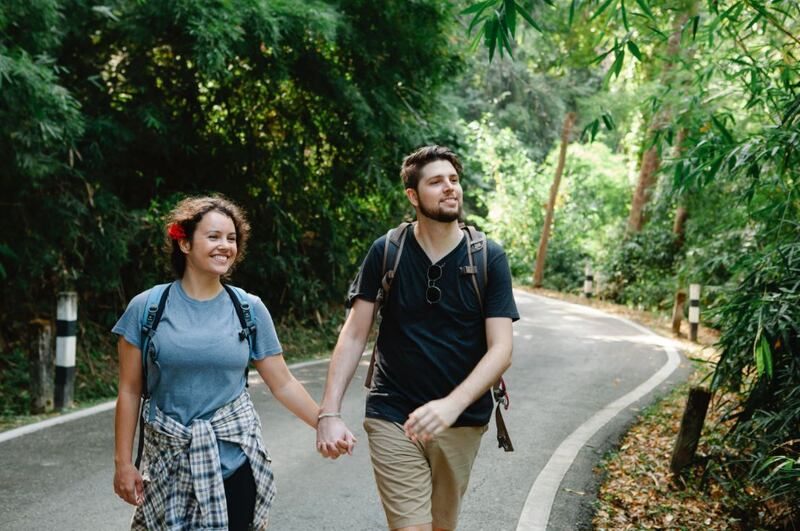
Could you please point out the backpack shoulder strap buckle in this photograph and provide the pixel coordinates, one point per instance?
(468, 270)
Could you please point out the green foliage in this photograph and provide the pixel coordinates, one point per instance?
(15, 396)
(299, 111)
(520, 99)
(640, 270)
(761, 358)
(96, 367)
(513, 193)
(735, 105)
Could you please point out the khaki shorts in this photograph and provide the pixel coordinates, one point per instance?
(421, 483)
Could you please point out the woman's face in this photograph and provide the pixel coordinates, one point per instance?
(213, 246)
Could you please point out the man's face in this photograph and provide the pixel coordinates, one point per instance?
(438, 195)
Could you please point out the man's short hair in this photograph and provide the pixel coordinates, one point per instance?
(414, 162)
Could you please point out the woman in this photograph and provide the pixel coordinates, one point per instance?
(205, 463)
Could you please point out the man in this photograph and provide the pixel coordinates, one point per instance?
(429, 403)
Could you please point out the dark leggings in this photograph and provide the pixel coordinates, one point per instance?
(240, 494)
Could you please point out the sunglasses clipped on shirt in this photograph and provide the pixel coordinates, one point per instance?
(433, 294)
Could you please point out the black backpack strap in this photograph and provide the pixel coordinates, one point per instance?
(478, 271)
(243, 311)
(152, 316)
(245, 314)
(392, 251)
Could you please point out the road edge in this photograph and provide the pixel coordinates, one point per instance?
(105, 406)
(536, 511)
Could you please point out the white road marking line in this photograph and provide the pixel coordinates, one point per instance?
(536, 512)
(55, 421)
(105, 406)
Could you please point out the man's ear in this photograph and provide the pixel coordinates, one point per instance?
(412, 196)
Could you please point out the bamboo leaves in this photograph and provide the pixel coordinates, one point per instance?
(498, 21)
(761, 351)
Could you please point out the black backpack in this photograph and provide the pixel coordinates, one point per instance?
(478, 272)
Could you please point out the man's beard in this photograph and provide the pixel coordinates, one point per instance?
(439, 215)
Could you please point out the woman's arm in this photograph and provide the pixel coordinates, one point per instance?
(127, 480)
(287, 389)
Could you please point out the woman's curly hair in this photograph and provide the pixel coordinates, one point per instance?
(188, 213)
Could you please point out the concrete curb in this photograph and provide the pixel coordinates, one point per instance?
(535, 513)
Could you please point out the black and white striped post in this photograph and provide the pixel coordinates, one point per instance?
(588, 281)
(694, 310)
(66, 332)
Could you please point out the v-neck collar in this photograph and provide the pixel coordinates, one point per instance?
(442, 259)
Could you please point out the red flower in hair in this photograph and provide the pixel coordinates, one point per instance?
(176, 232)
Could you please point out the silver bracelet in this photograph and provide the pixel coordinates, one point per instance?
(321, 416)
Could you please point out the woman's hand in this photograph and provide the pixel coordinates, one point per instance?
(333, 438)
(128, 484)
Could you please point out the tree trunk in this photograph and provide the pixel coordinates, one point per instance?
(538, 274)
(678, 228)
(677, 312)
(41, 359)
(651, 162)
(681, 214)
(691, 427)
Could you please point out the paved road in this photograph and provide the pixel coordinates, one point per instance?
(569, 362)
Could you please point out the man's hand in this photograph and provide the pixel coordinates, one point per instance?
(425, 422)
(333, 438)
(128, 484)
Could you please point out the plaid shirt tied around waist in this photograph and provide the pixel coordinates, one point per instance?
(183, 486)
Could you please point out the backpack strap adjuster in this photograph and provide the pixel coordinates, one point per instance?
(500, 394)
(249, 328)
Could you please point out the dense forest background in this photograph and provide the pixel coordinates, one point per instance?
(679, 121)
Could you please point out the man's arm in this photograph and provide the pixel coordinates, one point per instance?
(430, 419)
(346, 354)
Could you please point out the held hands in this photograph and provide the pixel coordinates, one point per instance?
(428, 420)
(128, 484)
(333, 438)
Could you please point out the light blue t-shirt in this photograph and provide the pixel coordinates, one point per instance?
(202, 360)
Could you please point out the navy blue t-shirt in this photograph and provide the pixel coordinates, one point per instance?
(426, 350)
